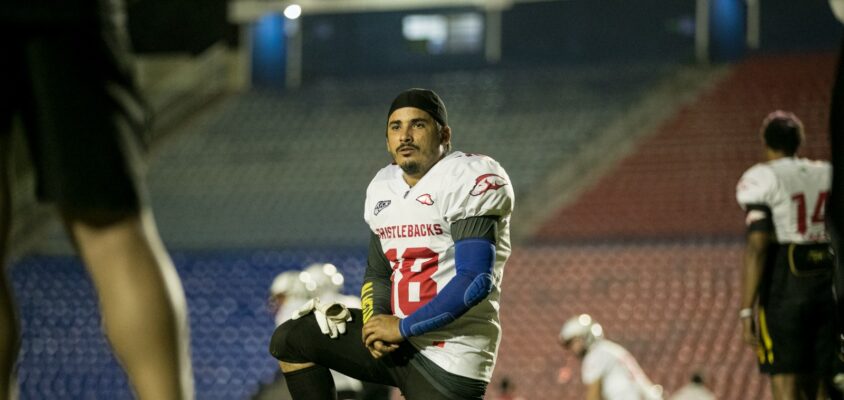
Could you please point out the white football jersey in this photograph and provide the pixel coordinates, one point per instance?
(795, 189)
(620, 375)
(414, 226)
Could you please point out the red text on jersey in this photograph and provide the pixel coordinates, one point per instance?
(408, 231)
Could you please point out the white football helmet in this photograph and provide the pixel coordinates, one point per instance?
(582, 326)
(288, 284)
(321, 279)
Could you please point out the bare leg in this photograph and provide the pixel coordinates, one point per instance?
(786, 387)
(293, 367)
(141, 299)
(9, 328)
(822, 393)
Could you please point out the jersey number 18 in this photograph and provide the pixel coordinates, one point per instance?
(412, 282)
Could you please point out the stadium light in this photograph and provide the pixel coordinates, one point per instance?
(293, 11)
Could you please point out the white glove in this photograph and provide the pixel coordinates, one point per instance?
(331, 318)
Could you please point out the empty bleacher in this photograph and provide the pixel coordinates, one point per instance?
(657, 284)
(289, 169)
(681, 181)
(65, 356)
(285, 173)
(672, 305)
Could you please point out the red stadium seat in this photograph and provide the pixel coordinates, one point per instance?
(671, 305)
(680, 181)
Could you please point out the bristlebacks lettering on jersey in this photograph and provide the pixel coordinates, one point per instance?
(409, 231)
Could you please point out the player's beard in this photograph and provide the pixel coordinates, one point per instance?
(410, 167)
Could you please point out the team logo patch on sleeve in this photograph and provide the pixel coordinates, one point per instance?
(487, 182)
(425, 199)
(380, 206)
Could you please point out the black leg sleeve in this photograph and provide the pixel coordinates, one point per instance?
(312, 383)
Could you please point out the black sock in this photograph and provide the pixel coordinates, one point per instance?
(312, 383)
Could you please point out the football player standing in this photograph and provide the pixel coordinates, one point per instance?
(788, 263)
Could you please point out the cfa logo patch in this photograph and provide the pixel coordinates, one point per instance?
(425, 199)
(381, 205)
(487, 182)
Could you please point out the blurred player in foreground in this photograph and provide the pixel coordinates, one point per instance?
(66, 73)
(609, 371)
(788, 264)
(439, 224)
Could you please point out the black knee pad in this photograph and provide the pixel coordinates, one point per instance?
(288, 338)
(278, 343)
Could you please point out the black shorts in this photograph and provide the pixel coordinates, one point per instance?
(300, 341)
(799, 339)
(83, 118)
(797, 332)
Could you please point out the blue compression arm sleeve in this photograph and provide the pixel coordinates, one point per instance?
(474, 259)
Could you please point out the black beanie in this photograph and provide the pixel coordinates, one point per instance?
(423, 99)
